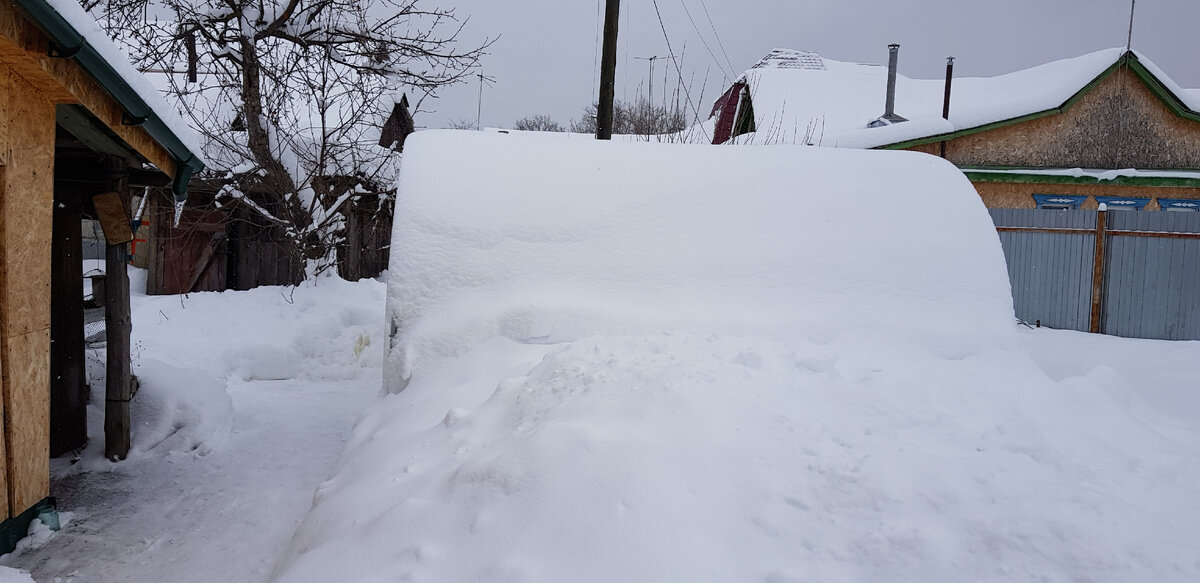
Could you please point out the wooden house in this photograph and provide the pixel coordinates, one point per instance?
(78, 131)
(1106, 127)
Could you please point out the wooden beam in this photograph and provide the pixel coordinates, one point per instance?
(68, 377)
(118, 388)
(1098, 273)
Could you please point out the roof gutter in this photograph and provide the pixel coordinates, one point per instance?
(71, 44)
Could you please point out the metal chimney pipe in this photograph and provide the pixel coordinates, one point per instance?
(949, 78)
(889, 109)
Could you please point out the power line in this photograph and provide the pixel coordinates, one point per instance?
(717, 36)
(704, 42)
(671, 52)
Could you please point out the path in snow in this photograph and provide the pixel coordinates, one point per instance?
(225, 516)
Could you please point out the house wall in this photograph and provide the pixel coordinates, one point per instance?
(1020, 195)
(1118, 124)
(26, 209)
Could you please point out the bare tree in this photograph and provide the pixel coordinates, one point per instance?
(289, 95)
(538, 123)
(639, 117)
(463, 124)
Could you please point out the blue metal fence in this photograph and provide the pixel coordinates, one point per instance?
(1147, 284)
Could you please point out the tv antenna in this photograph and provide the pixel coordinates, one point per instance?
(483, 79)
(1129, 39)
(650, 91)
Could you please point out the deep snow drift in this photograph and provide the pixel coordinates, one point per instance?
(622, 362)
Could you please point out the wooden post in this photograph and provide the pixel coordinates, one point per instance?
(118, 388)
(1098, 273)
(608, 71)
(68, 378)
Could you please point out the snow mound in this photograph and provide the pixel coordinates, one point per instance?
(326, 328)
(546, 241)
(624, 362)
(10, 575)
(714, 458)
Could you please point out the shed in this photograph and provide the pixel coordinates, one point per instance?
(75, 122)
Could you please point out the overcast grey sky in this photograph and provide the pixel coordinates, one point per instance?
(546, 58)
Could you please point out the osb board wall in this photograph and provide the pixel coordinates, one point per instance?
(4, 513)
(25, 49)
(1020, 195)
(26, 201)
(1118, 124)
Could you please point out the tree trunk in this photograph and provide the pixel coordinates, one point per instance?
(258, 138)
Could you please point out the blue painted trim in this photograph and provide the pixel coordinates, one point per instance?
(1073, 201)
(1132, 202)
(1179, 203)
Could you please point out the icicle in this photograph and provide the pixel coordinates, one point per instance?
(178, 212)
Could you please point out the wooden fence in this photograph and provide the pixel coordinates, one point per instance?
(1125, 273)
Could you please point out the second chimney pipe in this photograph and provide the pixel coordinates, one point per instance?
(949, 78)
(889, 109)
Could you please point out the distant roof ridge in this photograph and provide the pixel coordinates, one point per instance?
(791, 59)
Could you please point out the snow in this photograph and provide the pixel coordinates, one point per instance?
(9, 575)
(244, 403)
(688, 237)
(85, 25)
(838, 101)
(630, 362)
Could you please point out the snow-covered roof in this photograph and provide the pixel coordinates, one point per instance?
(79, 36)
(830, 103)
(86, 26)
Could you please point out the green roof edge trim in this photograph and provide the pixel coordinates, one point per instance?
(74, 46)
(1172, 101)
(1031, 178)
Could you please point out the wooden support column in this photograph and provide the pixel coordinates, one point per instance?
(68, 377)
(1098, 273)
(119, 382)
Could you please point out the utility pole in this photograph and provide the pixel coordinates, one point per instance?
(608, 71)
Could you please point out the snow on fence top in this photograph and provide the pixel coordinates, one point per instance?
(554, 240)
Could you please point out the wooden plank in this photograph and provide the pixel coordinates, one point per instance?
(4, 510)
(205, 260)
(1098, 274)
(68, 381)
(1054, 230)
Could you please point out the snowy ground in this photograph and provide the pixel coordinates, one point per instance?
(229, 514)
(246, 401)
